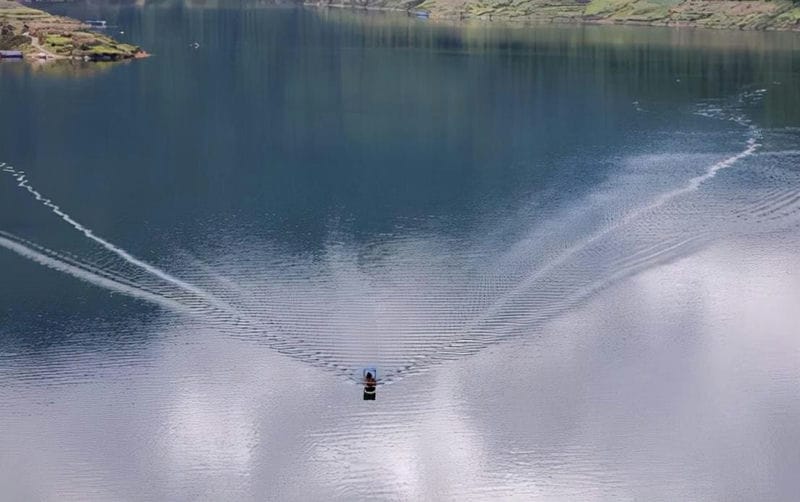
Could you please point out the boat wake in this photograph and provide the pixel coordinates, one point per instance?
(422, 300)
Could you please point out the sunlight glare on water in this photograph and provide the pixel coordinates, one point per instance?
(579, 282)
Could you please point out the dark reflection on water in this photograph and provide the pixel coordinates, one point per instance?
(351, 189)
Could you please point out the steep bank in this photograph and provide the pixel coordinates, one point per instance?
(42, 36)
(719, 14)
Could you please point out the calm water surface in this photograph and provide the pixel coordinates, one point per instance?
(570, 252)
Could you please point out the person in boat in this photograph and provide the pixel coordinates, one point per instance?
(369, 387)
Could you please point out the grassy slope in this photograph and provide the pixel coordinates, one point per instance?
(727, 14)
(21, 27)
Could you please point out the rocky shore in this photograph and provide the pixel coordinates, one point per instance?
(718, 14)
(42, 36)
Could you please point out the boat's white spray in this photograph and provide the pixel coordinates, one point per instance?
(106, 279)
(474, 327)
(88, 276)
(22, 182)
(693, 184)
(69, 260)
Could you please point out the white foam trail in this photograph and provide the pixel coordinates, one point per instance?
(421, 333)
(692, 185)
(107, 279)
(89, 277)
(22, 182)
(101, 278)
(82, 265)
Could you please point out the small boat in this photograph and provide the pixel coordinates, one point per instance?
(96, 23)
(10, 54)
(370, 376)
(421, 14)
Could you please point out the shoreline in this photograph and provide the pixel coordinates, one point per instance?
(38, 36)
(746, 15)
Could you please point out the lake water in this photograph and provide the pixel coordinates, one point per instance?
(571, 253)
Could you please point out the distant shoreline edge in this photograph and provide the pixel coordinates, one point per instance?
(750, 15)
